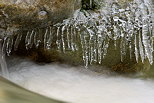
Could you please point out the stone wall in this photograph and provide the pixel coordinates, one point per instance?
(35, 13)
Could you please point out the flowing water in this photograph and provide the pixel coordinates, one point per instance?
(11, 93)
(79, 85)
(3, 65)
(132, 24)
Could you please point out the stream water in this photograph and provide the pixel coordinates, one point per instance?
(132, 25)
(12, 93)
(77, 84)
(3, 65)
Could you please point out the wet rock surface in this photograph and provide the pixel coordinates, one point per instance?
(35, 13)
(36, 36)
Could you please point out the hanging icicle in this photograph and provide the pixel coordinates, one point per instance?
(132, 25)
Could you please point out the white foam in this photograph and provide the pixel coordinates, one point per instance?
(77, 85)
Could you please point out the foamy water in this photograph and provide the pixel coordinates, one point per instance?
(77, 85)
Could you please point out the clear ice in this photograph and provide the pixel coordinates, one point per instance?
(132, 24)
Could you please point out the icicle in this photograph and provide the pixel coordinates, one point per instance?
(57, 41)
(151, 27)
(49, 39)
(115, 29)
(142, 55)
(83, 47)
(68, 38)
(105, 46)
(4, 45)
(86, 53)
(145, 34)
(146, 43)
(17, 41)
(45, 38)
(3, 64)
(72, 42)
(91, 55)
(37, 40)
(121, 50)
(62, 38)
(29, 39)
(100, 41)
(130, 50)
(95, 58)
(75, 38)
(136, 49)
(9, 45)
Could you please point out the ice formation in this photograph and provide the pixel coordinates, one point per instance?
(3, 64)
(132, 24)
